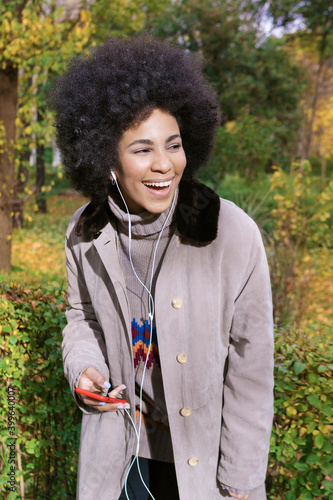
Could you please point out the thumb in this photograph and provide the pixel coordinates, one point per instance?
(96, 377)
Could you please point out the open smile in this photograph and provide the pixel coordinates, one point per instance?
(158, 186)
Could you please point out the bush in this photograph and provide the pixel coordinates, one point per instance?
(247, 147)
(40, 421)
(301, 445)
(302, 228)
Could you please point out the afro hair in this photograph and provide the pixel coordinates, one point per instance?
(118, 85)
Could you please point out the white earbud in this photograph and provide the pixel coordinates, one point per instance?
(113, 175)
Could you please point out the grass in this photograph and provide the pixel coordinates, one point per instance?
(38, 254)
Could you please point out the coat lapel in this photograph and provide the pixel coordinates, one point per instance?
(106, 244)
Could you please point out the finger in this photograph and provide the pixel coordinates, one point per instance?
(91, 379)
(116, 391)
(101, 406)
(239, 496)
(113, 407)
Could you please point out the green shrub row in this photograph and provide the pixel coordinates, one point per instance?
(40, 424)
(45, 417)
(301, 466)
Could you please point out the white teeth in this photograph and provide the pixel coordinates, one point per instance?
(157, 184)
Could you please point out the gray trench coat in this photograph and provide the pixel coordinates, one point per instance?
(213, 305)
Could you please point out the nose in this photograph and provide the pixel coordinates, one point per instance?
(162, 162)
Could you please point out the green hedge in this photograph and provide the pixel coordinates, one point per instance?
(35, 397)
(37, 406)
(301, 466)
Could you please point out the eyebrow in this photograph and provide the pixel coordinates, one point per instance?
(151, 143)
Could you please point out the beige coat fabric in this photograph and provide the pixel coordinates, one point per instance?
(213, 305)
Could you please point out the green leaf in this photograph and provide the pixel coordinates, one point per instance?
(313, 378)
(328, 446)
(283, 369)
(322, 368)
(328, 485)
(306, 496)
(319, 440)
(314, 478)
(299, 367)
(12, 339)
(31, 447)
(290, 495)
(328, 469)
(315, 401)
(327, 410)
(301, 466)
(312, 427)
(313, 459)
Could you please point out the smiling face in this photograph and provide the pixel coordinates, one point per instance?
(151, 163)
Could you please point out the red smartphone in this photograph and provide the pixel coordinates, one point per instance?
(105, 399)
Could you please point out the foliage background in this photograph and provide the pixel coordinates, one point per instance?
(273, 157)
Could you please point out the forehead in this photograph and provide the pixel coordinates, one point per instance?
(159, 124)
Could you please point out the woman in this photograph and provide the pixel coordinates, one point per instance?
(168, 286)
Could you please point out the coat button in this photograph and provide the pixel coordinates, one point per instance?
(185, 412)
(182, 358)
(176, 303)
(193, 461)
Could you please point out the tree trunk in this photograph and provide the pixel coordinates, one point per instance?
(317, 83)
(309, 127)
(40, 180)
(40, 175)
(21, 182)
(23, 170)
(8, 110)
(323, 172)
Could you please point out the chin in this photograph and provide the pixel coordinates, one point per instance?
(158, 208)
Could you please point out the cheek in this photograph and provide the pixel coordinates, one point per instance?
(132, 171)
(182, 163)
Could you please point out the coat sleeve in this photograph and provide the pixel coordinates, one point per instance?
(83, 340)
(248, 386)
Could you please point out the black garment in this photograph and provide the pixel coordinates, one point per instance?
(160, 478)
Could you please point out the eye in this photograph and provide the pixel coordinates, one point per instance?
(175, 146)
(143, 150)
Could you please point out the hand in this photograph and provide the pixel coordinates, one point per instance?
(239, 496)
(91, 380)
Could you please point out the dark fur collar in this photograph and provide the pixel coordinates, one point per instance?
(197, 214)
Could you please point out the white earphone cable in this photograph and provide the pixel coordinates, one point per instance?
(151, 313)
